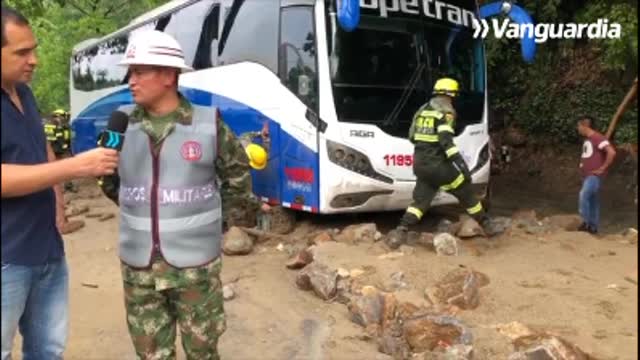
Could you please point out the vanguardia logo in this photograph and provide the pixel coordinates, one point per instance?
(542, 32)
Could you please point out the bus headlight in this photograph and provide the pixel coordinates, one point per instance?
(354, 160)
(483, 158)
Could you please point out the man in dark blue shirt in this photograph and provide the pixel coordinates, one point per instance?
(34, 270)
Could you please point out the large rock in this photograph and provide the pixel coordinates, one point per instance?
(392, 343)
(319, 278)
(358, 233)
(367, 308)
(469, 228)
(435, 332)
(445, 244)
(459, 287)
(549, 348)
(303, 258)
(569, 222)
(237, 242)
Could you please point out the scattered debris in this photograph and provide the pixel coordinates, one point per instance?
(76, 210)
(459, 287)
(547, 347)
(391, 255)
(71, 226)
(569, 222)
(469, 228)
(455, 352)
(435, 332)
(228, 292)
(237, 242)
(319, 278)
(301, 259)
(343, 273)
(106, 216)
(359, 233)
(366, 309)
(321, 238)
(89, 285)
(446, 244)
(514, 330)
(407, 250)
(356, 272)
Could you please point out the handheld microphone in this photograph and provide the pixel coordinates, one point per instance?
(113, 136)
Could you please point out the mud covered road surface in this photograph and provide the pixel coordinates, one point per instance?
(569, 283)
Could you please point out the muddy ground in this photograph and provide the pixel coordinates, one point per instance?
(560, 282)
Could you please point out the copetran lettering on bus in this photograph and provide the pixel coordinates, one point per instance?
(433, 9)
(137, 195)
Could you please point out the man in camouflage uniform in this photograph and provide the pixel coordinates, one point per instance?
(438, 165)
(180, 167)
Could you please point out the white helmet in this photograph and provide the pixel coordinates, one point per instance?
(154, 47)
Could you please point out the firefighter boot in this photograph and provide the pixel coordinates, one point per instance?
(397, 237)
(489, 227)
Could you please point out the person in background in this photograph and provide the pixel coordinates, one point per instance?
(597, 156)
(171, 226)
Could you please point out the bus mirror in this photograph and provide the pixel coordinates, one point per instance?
(348, 14)
(303, 85)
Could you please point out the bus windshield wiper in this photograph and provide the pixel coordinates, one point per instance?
(405, 96)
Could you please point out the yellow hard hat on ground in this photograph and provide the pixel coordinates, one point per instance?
(257, 156)
(446, 86)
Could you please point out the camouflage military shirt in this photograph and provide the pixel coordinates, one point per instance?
(247, 138)
(239, 204)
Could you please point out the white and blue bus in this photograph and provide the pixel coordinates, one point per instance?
(338, 103)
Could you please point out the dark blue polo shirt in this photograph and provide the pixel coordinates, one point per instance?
(29, 232)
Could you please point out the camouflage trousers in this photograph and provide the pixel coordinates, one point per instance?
(159, 299)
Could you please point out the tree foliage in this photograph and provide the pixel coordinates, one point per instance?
(569, 77)
(61, 24)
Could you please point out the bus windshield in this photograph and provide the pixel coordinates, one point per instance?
(383, 71)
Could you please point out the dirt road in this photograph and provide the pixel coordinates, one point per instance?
(567, 282)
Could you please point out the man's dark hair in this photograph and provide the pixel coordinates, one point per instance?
(10, 14)
(589, 120)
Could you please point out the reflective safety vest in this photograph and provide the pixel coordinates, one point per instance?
(58, 136)
(169, 200)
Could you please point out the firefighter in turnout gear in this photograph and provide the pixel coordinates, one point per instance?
(58, 134)
(438, 165)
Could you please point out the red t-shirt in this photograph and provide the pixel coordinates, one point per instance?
(593, 153)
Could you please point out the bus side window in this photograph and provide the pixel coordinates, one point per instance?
(209, 34)
(297, 55)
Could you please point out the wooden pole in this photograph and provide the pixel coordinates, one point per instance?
(622, 107)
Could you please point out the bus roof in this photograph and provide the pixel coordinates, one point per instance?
(169, 7)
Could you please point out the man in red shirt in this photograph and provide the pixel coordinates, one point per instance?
(597, 156)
